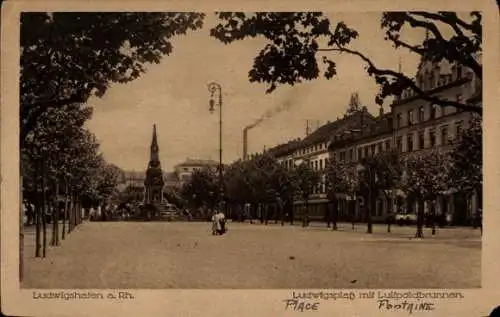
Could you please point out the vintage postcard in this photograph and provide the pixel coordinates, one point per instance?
(243, 158)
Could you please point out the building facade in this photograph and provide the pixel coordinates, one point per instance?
(412, 125)
(185, 169)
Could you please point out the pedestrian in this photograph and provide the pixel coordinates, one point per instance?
(221, 218)
(215, 223)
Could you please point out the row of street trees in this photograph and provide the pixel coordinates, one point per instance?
(421, 177)
(67, 57)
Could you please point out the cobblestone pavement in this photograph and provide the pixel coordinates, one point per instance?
(159, 255)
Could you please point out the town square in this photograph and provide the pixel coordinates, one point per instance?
(250, 150)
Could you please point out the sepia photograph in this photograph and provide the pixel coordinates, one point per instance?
(251, 150)
(314, 149)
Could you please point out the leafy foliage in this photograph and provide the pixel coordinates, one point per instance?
(339, 180)
(307, 179)
(202, 188)
(68, 56)
(261, 179)
(297, 41)
(427, 175)
(466, 172)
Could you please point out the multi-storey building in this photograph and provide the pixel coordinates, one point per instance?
(185, 169)
(415, 126)
(420, 125)
(314, 149)
(351, 146)
(412, 125)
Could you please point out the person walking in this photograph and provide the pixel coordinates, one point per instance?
(222, 222)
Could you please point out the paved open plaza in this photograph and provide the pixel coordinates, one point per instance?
(185, 255)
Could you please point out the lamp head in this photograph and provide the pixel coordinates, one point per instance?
(211, 106)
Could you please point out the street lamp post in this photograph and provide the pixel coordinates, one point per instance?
(214, 88)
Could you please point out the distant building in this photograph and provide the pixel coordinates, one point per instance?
(184, 170)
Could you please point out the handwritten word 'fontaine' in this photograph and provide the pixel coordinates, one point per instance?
(385, 304)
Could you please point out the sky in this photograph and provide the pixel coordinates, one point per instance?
(174, 96)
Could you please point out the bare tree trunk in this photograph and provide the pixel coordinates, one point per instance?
(78, 211)
(305, 218)
(54, 222)
(57, 212)
(66, 205)
(38, 212)
(44, 209)
(335, 213)
(282, 212)
(420, 220)
(369, 212)
(433, 217)
(389, 212)
(70, 214)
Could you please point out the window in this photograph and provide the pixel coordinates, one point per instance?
(372, 149)
(342, 156)
(410, 142)
(458, 132)
(334, 156)
(398, 120)
(432, 138)
(410, 117)
(366, 151)
(320, 164)
(387, 145)
(360, 153)
(421, 140)
(379, 147)
(316, 165)
(433, 111)
(399, 143)
(421, 114)
(351, 155)
(444, 135)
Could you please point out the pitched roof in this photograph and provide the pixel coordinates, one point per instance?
(377, 126)
(284, 149)
(326, 132)
(197, 162)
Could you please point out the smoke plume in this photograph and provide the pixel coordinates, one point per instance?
(285, 106)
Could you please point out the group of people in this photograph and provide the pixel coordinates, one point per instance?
(218, 223)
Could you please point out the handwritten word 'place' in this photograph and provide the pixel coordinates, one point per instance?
(300, 306)
(385, 304)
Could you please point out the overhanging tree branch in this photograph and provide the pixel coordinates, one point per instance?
(406, 81)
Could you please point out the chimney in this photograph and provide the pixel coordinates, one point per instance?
(245, 143)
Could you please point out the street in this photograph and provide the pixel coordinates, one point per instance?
(161, 255)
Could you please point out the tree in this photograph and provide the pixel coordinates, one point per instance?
(298, 41)
(425, 179)
(389, 172)
(68, 56)
(379, 173)
(307, 180)
(466, 162)
(338, 182)
(202, 188)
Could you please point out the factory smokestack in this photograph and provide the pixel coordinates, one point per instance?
(245, 143)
